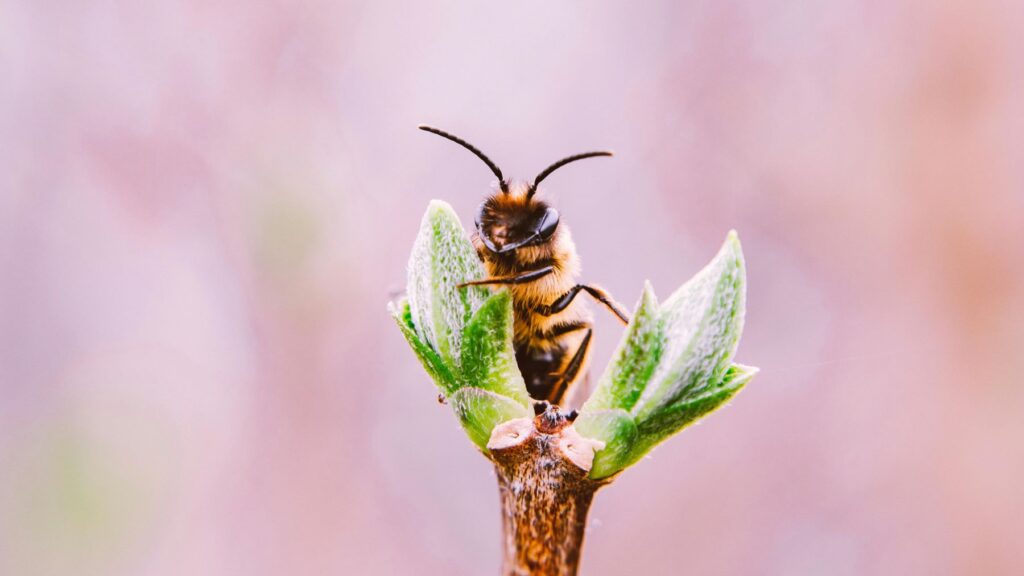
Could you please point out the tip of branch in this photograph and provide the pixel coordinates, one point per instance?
(510, 433)
(577, 449)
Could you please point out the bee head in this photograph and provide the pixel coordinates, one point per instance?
(513, 219)
(507, 221)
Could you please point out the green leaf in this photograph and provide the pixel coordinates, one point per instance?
(702, 323)
(488, 357)
(617, 430)
(672, 366)
(671, 419)
(462, 336)
(480, 411)
(634, 360)
(435, 367)
(442, 257)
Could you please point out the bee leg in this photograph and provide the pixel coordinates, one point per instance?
(521, 278)
(600, 295)
(568, 327)
(569, 375)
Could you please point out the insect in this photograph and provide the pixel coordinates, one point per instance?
(524, 246)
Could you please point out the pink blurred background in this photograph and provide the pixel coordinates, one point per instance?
(203, 210)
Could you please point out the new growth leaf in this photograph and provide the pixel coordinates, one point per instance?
(673, 365)
(462, 336)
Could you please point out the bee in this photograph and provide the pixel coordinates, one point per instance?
(525, 247)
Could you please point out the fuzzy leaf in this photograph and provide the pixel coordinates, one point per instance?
(462, 336)
(672, 366)
(671, 419)
(433, 363)
(480, 411)
(634, 360)
(443, 257)
(617, 430)
(702, 323)
(488, 358)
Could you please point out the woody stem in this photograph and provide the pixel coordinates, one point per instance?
(542, 466)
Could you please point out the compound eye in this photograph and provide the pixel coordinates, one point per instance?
(548, 223)
(479, 220)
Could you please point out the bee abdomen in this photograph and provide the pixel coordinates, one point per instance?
(541, 369)
(543, 356)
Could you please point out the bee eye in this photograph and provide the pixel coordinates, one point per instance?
(548, 223)
(479, 220)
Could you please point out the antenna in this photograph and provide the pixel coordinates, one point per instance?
(547, 171)
(494, 167)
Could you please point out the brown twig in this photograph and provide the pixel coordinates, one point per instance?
(542, 465)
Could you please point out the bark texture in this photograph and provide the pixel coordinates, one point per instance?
(542, 466)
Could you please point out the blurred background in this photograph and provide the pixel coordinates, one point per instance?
(204, 208)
